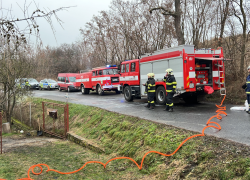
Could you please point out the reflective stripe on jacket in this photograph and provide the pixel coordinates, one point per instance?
(151, 85)
(170, 84)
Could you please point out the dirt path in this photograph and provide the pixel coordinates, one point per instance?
(10, 143)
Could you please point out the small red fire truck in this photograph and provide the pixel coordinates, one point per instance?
(195, 71)
(99, 79)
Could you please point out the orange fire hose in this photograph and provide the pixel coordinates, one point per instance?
(221, 110)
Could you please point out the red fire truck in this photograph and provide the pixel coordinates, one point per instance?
(99, 79)
(195, 71)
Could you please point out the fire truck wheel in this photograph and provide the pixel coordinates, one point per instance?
(161, 95)
(99, 90)
(84, 90)
(128, 94)
(68, 89)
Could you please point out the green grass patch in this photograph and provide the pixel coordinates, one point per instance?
(120, 135)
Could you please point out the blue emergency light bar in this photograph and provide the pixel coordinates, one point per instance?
(110, 65)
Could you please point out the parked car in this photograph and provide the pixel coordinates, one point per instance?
(34, 84)
(20, 82)
(48, 84)
(67, 81)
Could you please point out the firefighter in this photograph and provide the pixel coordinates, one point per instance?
(171, 84)
(247, 89)
(27, 84)
(150, 90)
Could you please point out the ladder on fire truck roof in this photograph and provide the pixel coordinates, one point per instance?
(221, 80)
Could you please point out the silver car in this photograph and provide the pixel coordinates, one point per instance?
(33, 83)
(48, 84)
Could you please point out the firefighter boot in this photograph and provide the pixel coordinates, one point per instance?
(166, 109)
(151, 108)
(170, 110)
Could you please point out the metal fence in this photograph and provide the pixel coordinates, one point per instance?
(55, 119)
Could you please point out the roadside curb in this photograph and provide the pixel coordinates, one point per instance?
(84, 142)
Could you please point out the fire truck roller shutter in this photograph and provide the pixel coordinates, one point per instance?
(145, 68)
(177, 66)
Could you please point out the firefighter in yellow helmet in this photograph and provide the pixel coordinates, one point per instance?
(171, 84)
(150, 87)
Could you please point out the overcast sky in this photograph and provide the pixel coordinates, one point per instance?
(73, 18)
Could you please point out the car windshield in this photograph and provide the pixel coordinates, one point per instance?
(33, 81)
(72, 79)
(110, 71)
(51, 81)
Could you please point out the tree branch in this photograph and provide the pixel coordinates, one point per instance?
(166, 12)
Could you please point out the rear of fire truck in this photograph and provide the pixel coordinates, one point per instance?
(197, 72)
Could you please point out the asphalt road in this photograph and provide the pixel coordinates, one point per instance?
(235, 126)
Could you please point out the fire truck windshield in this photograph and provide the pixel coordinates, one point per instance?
(110, 71)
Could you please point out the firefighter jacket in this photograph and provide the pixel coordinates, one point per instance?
(27, 83)
(170, 84)
(146, 87)
(248, 85)
(151, 85)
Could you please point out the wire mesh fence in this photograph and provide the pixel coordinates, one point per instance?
(55, 119)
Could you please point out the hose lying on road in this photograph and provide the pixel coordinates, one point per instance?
(221, 110)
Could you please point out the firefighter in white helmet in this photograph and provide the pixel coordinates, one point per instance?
(150, 88)
(171, 84)
(247, 88)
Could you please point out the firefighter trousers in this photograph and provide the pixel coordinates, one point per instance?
(248, 100)
(169, 101)
(151, 99)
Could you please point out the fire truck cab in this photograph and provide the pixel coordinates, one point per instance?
(99, 79)
(195, 71)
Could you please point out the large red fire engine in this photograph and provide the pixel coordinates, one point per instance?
(99, 79)
(195, 71)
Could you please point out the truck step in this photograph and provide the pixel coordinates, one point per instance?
(222, 91)
(133, 92)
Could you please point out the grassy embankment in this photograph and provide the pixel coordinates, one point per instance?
(120, 135)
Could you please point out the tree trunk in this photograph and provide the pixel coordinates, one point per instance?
(243, 47)
(223, 21)
(177, 23)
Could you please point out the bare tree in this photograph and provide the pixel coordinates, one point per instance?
(239, 9)
(15, 60)
(176, 14)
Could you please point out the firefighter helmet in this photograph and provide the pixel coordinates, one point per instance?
(149, 74)
(152, 75)
(169, 71)
(248, 68)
